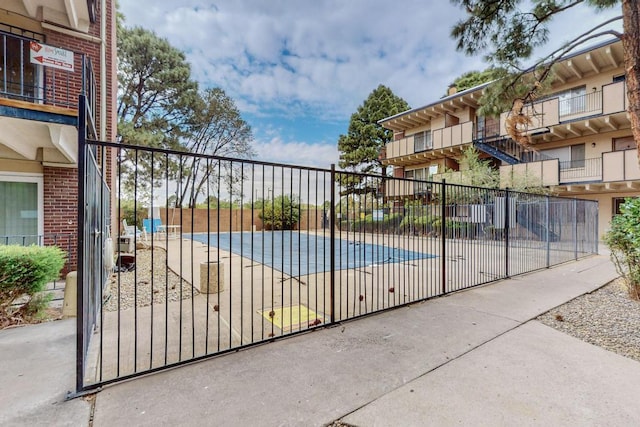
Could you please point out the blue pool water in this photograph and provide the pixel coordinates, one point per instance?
(298, 254)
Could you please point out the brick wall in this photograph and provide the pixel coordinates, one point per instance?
(61, 211)
(61, 184)
(79, 46)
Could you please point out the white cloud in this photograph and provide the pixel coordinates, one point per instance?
(337, 51)
(277, 150)
(320, 58)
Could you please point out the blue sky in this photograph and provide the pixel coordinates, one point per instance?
(298, 69)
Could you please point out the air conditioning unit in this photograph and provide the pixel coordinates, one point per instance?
(126, 244)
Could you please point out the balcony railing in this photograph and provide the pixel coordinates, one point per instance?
(487, 131)
(620, 166)
(580, 170)
(24, 81)
(581, 104)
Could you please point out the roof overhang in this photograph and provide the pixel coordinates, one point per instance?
(74, 14)
(54, 142)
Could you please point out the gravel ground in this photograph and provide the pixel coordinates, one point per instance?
(607, 317)
(140, 281)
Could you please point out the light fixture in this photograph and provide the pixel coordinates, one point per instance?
(593, 144)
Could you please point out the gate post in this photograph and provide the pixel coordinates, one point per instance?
(595, 229)
(332, 243)
(80, 338)
(443, 241)
(575, 229)
(507, 225)
(548, 225)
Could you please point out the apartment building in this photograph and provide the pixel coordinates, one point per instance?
(51, 51)
(583, 146)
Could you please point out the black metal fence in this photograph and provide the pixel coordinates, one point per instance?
(218, 254)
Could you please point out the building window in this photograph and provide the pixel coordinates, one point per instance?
(577, 156)
(409, 174)
(624, 143)
(572, 101)
(422, 141)
(617, 201)
(19, 78)
(620, 78)
(487, 127)
(21, 213)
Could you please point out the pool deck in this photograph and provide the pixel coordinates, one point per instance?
(257, 303)
(471, 358)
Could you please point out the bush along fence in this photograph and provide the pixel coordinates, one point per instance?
(64, 241)
(24, 273)
(219, 253)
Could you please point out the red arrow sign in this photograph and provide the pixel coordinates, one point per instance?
(50, 56)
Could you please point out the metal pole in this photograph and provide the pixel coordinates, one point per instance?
(507, 224)
(332, 241)
(595, 230)
(548, 233)
(443, 244)
(575, 229)
(80, 300)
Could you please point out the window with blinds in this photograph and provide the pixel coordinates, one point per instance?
(422, 141)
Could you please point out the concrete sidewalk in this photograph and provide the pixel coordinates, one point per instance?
(472, 358)
(37, 368)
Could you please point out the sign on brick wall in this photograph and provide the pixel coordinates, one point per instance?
(50, 56)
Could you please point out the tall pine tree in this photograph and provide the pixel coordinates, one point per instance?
(360, 147)
(511, 30)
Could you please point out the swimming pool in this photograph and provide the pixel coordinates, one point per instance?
(299, 254)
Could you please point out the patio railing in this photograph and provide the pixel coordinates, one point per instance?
(22, 80)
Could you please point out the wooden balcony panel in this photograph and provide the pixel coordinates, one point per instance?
(15, 103)
(437, 139)
(612, 166)
(631, 166)
(613, 98)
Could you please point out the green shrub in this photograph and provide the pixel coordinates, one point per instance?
(283, 213)
(623, 240)
(417, 224)
(454, 229)
(24, 272)
(389, 223)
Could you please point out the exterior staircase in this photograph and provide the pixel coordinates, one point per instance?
(507, 150)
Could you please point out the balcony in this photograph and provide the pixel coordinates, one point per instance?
(595, 174)
(548, 113)
(405, 151)
(545, 172)
(453, 136)
(38, 103)
(407, 188)
(580, 170)
(588, 104)
(620, 166)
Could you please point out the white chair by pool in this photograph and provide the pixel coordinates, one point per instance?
(132, 230)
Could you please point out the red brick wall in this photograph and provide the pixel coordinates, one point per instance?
(74, 80)
(61, 184)
(61, 211)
